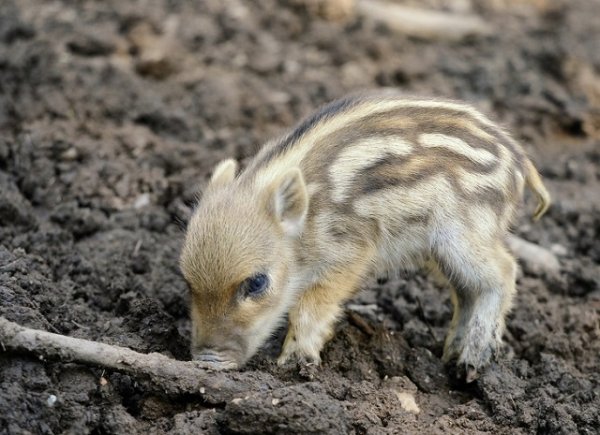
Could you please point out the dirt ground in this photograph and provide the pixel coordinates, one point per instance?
(112, 115)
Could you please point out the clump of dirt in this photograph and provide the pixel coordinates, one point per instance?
(112, 115)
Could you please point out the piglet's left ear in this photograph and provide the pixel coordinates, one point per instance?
(224, 173)
(289, 202)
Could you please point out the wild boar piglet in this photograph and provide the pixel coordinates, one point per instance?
(370, 183)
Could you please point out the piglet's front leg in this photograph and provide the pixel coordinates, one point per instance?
(312, 320)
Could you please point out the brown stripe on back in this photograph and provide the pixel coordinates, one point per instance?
(406, 171)
(335, 108)
(466, 135)
(390, 170)
(495, 198)
(449, 121)
(326, 150)
(394, 170)
(501, 137)
(316, 164)
(408, 123)
(453, 122)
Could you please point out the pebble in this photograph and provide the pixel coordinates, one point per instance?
(142, 200)
(51, 400)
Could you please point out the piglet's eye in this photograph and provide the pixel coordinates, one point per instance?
(255, 285)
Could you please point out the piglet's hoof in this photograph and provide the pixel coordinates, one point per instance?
(300, 360)
(468, 373)
(463, 373)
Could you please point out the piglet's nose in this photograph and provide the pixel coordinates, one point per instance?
(209, 355)
(216, 360)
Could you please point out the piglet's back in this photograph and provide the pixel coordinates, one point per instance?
(375, 150)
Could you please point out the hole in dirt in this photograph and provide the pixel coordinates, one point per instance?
(132, 404)
(575, 128)
(142, 401)
(468, 391)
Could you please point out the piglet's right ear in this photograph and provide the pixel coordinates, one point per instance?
(224, 173)
(289, 202)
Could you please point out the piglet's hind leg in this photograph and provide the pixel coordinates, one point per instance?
(484, 285)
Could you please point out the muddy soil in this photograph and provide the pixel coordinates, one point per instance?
(112, 115)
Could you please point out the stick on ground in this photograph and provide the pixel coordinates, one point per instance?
(172, 376)
(424, 23)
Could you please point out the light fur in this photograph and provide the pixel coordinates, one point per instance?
(374, 182)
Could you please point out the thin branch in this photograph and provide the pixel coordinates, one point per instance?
(424, 23)
(172, 376)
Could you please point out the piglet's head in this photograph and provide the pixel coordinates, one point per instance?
(238, 260)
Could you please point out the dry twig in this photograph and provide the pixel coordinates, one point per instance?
(172, 376)
(424, 23)
(535, 258)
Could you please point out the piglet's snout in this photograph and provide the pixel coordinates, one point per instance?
(217, 360)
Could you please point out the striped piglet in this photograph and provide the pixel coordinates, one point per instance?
(369, 183)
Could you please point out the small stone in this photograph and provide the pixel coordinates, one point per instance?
(51, 400)
(408, 402)
(70, 154)
(142, 201)
(274, 402)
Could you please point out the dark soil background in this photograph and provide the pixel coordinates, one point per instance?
(112, 115)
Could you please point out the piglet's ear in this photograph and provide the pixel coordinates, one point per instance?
(224, 173)
(289, 202)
